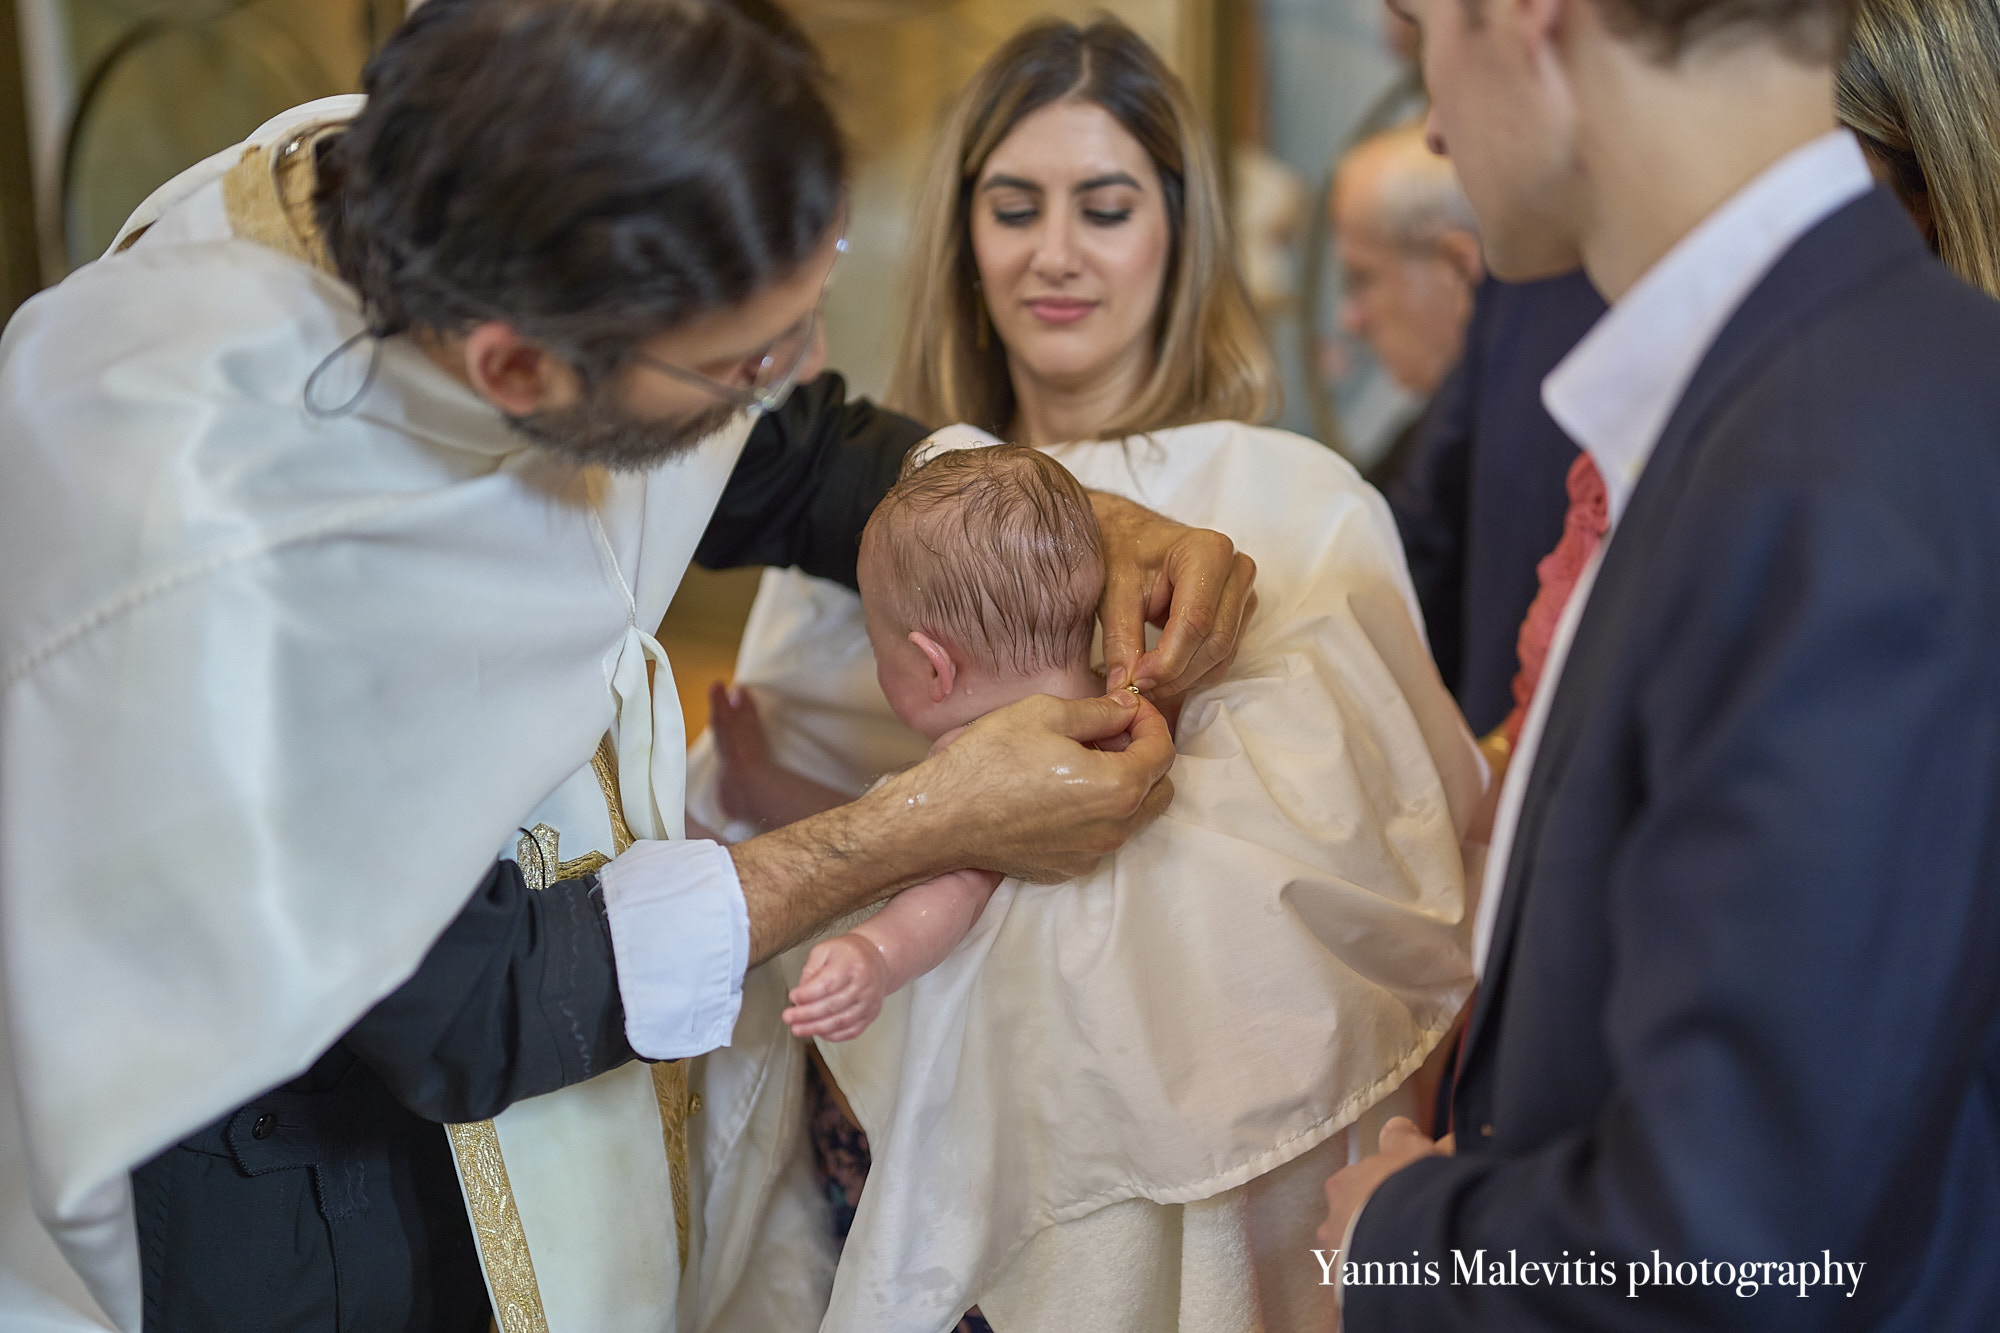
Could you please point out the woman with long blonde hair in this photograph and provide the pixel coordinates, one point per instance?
(1921, 88)
(1185, 346)
(1113, 1105)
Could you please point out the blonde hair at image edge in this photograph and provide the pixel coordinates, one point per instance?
(1211, 361)
(1921, 84)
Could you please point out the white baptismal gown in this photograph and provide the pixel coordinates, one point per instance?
(1114, 1105)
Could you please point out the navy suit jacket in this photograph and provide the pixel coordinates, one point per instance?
(1480, 498)
(1743, 1001)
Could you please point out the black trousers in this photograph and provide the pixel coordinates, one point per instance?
(323, 1206)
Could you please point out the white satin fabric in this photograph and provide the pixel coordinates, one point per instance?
(1110, 1075)
(272, 690)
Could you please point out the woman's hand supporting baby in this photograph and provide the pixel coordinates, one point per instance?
(750, 784)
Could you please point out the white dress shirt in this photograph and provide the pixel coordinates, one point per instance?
(1616, 390)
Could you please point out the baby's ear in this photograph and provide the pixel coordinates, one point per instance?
(944, 671)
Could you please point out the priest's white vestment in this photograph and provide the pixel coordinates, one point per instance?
(1113, 1106)
(295, 680)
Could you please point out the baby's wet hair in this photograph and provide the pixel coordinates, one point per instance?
(995, 552)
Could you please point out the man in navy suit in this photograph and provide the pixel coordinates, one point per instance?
(1735, 1061)
(1480, 498)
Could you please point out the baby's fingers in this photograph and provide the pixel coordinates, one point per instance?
(825, 1007)
(833, 1029)
(847, 1030)
(819, 971)
(811, 1020)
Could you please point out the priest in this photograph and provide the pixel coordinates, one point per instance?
(341, 778)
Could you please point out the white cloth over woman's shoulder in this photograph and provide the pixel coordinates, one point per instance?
(273, 688)
(1238, 984)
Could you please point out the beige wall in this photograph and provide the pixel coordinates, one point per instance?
(174, 93)
(146, 90)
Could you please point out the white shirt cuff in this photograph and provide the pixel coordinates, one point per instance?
(680, 932)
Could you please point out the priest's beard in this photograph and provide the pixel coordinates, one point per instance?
(595, 429)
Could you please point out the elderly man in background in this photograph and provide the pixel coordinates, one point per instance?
(1408, 247)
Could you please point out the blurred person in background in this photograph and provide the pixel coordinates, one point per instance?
(1408, 248)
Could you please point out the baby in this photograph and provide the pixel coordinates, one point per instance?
(980, 576)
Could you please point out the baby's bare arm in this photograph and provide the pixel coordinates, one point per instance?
(847, 977)
(920, 926)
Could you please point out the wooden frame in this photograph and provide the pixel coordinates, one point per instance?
(20, 253)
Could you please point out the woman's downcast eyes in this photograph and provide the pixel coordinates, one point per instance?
(1025, 216)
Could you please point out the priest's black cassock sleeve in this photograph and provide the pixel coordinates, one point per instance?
(331, 1203)
(811, 474)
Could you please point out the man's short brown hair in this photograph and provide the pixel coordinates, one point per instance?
(1812, 30)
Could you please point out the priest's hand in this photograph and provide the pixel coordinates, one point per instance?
(1024, 791)
(1192, 582)
(1033, 795)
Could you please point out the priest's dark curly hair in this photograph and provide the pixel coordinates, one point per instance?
(590, 171)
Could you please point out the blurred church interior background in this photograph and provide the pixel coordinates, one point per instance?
(103, 100)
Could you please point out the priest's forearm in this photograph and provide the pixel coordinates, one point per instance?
(1021, 792)
(798, 878)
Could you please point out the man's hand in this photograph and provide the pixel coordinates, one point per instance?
(1348, 1188)
(1022, 792)
(1191, 581)
(840, 991)
(1032, 796)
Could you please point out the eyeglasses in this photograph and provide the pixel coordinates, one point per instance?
(777, 369)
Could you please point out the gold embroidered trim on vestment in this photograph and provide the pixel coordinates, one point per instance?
(482, 1169)
(267, 197)
(605, 764)
(670, 1078)
(670, 1089)
(538, 855)
(496, 1223)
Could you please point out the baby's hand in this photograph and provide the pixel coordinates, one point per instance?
(841, 989)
